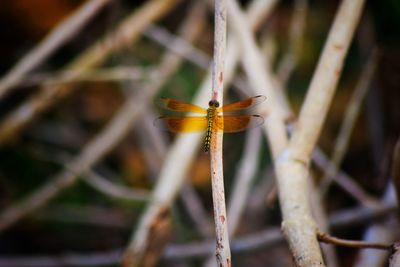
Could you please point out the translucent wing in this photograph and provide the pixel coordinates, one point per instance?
(232, 124)
(246, 103)
(177, 105)
(182, 124)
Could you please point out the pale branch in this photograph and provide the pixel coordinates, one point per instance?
(223, 252)
(185, 146)
(180, 47)
(154, 146)
(293, 165)
(64, 31)
(95, 180)
(250, 242)
(97, 148)
(94, 75)
(345, 181)
(136, 250)
(244, 179)
(197, 212)
(260, 78)
(324, 81)
(247, 243)
(125, 34)
(113, 190)
(90, 154)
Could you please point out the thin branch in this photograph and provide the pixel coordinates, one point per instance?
(96, 75)
(243, 182)
(90, 154)
(126, 33)
(171, 177)
(154, 147)
(244, 179)
(351, 114)
(302, 240)
(223, 252)
(250, 242)
(197, 212)
(97, 148)
(113, 190)
(136, 251)
(95, 180)
(64, 31)
(292, 167)
(345, 181)
(180, 47)
(324, 81)
(261, 194)
(323, 237)
(360, 215)
(260, 79)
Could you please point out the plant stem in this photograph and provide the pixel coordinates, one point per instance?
(223, 252)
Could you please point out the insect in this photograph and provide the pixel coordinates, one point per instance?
(211, 119)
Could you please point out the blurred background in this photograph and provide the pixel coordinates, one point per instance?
(89, 218)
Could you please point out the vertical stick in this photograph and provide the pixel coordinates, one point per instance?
(223, 252)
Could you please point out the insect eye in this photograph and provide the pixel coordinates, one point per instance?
(213, 103)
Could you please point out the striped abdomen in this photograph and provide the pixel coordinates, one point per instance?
(210, 118)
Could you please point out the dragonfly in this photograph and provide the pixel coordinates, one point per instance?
(211, 119)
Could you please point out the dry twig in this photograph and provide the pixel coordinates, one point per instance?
(307, 252)
(96, 75)
(244, 179)
(292, 166)
(346, 182)
(58, 36)
(136, 252)
(126, 33)
(113, 190)
(251, 242)
(223, 252)
(323, 237)
(184, 147)
(94, 150)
